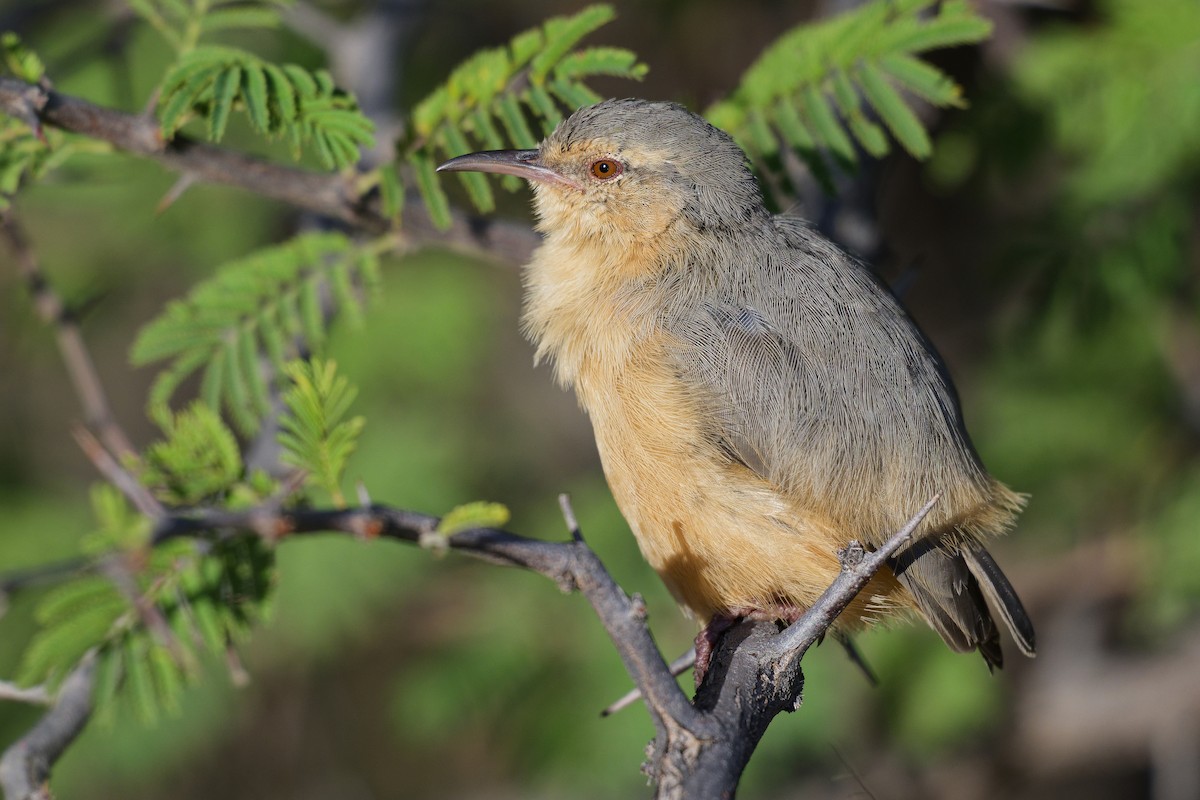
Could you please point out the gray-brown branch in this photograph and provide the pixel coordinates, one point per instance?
(25, 766)
(700, 749)
(331, 194)
(77, 359)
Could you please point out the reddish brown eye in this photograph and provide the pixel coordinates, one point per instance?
(606, 168)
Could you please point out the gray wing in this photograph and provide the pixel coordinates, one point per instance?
(820, 383)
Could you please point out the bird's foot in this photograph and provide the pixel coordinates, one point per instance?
(707, 639)
(706, 643)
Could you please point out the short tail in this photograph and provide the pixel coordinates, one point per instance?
(957, 591)
(1001, 596)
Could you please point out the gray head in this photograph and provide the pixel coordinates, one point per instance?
(626, 170)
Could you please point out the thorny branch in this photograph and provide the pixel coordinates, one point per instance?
(754, 676)
(700, 749)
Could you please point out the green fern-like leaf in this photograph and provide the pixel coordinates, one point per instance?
(74, 618)
(19, 59)
(56, 649)
(431, 189)
(820, 87)
(199, 460)
(208, 597)
(250, 317)
(314, 432)
(1121, 97)
(22, 156)
(209, 602)
(391, 191)
(281, 101)
(242, 17)
(490, 99)
(119, 527)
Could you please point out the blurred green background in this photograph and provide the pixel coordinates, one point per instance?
(1051, 249)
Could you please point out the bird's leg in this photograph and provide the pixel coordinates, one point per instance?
(706, 640)
(706, 643)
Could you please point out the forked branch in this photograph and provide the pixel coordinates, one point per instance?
(700, 749)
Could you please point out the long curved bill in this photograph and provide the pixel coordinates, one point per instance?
(522, 163)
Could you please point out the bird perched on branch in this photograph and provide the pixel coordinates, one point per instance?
(759, 398)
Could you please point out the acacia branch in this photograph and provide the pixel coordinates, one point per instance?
(25, 766)
(331, 194)
(700, 748)
(571, 565)
(754, 676)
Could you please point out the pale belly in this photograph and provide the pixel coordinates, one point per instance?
(723, 540)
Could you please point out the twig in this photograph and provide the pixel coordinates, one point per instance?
(677, 668)
(25, 766)
(330, 194)
(857, 569)
(80, 368)
(46, 573)
(854, 773)
(118, 476)
(625, 622)
(568, 512)
(36, 695)
(185, 182)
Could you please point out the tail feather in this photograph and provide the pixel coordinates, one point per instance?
(953, 589)
(1001, 596)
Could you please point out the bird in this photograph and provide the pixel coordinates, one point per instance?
(759, 398)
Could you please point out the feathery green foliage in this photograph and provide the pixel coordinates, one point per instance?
(273, 302)
(314, 432)
(119, 526)
(1122, 96)
(210, 81)
(204, 600)
(151, 614)
(19, 60)
(287, 101)
(24, 156)
(209, 603)
(490, 99)
(821, 87)
(74, 618)
(1124, 114)
(198, 461)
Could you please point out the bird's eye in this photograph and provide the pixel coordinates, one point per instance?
(606, 168)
